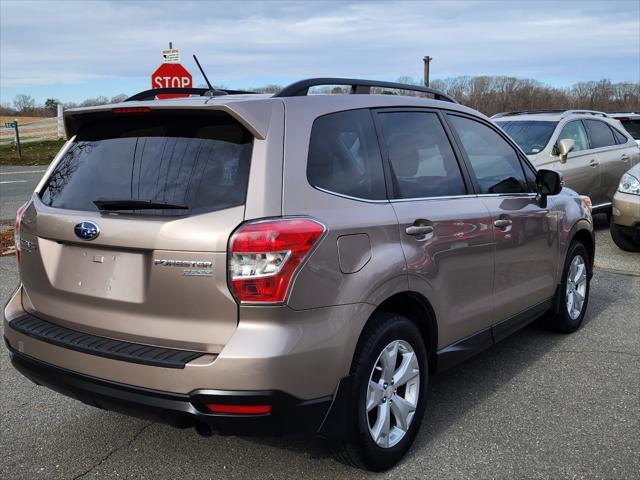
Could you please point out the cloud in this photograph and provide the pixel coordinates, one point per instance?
(250, 43)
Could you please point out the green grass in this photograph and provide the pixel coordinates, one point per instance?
(34, 153)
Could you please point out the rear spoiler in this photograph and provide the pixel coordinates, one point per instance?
(255, 115)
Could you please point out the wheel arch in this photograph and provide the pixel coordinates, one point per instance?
(585, 237)
(418, 309)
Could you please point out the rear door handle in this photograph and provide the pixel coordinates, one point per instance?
(502, 223)
(417, 230)
(625, 158)
(594, 163)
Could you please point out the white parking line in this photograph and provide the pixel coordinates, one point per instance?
(23, 172)
(14, 181)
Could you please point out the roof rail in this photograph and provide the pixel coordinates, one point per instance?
(202, 92)
(563, 113)
(585, 112)
(358, 86)
(525, 112)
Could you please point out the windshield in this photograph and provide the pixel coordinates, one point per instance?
(633, 127)
(181, 163)
(531, 136)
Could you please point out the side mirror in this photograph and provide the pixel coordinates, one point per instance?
(548, 182)
(565, 146)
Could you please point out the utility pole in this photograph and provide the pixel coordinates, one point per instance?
(426, 61)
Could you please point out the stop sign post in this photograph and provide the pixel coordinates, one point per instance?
(171, 75)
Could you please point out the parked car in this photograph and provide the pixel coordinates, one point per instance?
(625, 224)
(631, 122)
(248, 263)
(590, 149)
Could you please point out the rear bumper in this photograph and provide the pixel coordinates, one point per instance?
(288, 415)
(302, 353)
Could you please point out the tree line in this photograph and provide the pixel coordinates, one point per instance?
(491, 95)
(25, 105)
(488, 94)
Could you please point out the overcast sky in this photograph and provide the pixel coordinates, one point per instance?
(72, 50)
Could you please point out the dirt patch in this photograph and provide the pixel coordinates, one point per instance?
(7, 247)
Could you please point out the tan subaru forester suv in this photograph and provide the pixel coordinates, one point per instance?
(245, 263)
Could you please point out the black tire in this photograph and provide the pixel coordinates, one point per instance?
(359, 449)
(559, 318)
(622, 240)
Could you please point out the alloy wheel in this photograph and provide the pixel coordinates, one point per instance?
(393, 393)
(576, 289)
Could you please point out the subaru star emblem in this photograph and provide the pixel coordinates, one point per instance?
(87, 230)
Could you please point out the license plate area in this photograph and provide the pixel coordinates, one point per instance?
(104, 273)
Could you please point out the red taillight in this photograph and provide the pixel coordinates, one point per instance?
(239, 409)
(16, 233)
(130, 110)
(265, 255)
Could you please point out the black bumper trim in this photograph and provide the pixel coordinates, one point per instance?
(104, 347)
(289, 414)
(632, 231)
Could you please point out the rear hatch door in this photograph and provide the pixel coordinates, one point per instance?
(131, 228)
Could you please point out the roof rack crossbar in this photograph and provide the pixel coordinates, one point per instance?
(358, 86)
(151, 94)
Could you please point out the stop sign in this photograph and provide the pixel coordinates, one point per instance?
(171, 75)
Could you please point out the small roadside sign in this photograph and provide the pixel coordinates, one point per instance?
(172, 55)
(10, 125)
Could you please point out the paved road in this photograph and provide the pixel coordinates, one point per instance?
(16, 185)
(538, 405)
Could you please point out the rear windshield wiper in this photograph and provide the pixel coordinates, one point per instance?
(131, 204)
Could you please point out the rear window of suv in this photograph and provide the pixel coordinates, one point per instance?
(344, 155)
(193, 161)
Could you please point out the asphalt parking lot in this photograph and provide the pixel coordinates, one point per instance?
(538, 405)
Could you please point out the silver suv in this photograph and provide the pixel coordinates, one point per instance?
(253, 263)
(590, 149)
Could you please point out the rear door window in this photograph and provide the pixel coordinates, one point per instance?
(421, 157)
(600, 134)
(493, 161)
(344, 155)
(197, 162)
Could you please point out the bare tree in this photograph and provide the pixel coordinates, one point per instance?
(267, 89)
(24, 103)
(119, 98)
(90, 102)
